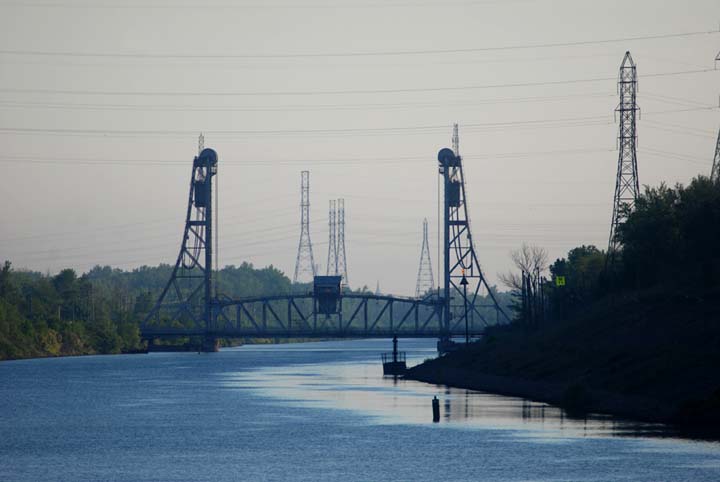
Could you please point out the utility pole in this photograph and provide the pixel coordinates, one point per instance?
(627, 187)
(332, 259)
(304, 263)
(425, 281)
(341, 257)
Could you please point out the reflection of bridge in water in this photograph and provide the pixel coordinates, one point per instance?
(190, 307)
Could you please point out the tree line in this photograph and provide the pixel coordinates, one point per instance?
(99, 311)
(669, 243)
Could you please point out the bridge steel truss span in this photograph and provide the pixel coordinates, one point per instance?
(189, 305)
(296, 316)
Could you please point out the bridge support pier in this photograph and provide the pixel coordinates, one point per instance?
(210, 344)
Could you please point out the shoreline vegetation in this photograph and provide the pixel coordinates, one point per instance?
(638, 336)
(178, 347)
(99, 312)
(662, 369)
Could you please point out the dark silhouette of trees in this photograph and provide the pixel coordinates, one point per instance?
(100, 311)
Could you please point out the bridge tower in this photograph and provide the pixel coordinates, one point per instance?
(305, 269)
(715, 171)
(627, 187)
(341, 257)
(425, 281)
(188, 298)
(332, 259)
(462, 276)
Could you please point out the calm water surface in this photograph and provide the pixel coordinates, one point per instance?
(316, 411)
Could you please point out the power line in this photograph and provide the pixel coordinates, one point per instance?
(300, 107)
(335, 92)
(386, 53)
(374, 130)
(257, 6)
(275, 162)
(658, 126)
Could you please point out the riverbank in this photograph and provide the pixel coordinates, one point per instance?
(171, 348)
(576, 398)
(650, 356)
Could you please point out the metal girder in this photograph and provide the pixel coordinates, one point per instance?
(265, 319)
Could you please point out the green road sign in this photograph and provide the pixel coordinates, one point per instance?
(559, 281)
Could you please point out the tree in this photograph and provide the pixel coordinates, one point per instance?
(582, 270)
(527, 285)
(529, 259)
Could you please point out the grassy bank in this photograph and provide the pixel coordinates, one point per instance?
(651, 355)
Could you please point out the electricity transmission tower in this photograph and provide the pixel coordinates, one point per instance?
(305, 263)
(340, 251)
(627, 187)
(715, 172)
(425, 281)
(332, 259)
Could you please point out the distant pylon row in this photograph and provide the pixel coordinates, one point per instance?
(305, 267)
(337, 261)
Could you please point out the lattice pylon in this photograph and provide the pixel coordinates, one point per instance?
(425, 281)
(341, 256)
(332, 259)
(305, 262)
(627, 187)
(715, 171)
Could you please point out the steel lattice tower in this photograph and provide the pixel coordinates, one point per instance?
(332, 259)
(305, 263)
(188, 296)
(627, 187)
(715, 171)
(425, 281)
(340, 250)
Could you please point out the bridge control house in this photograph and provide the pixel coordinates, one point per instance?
(327, 292)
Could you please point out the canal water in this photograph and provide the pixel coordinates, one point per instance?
(305, 412)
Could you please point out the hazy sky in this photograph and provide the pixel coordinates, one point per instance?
(101, 103)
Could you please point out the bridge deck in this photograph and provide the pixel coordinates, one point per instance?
(167, 333)
(359, 315)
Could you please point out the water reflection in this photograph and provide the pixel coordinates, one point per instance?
(359, 386)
